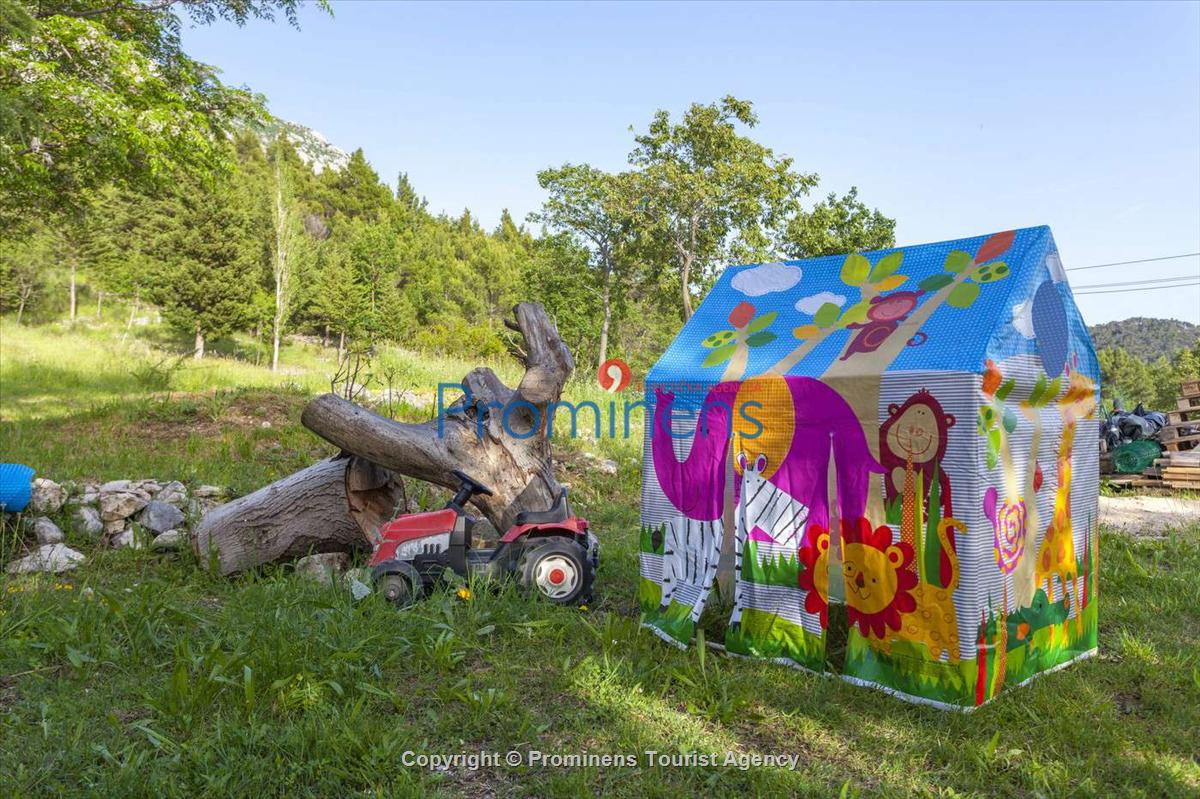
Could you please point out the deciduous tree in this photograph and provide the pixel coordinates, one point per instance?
(100, 91)
(838, 225)
(710, 190)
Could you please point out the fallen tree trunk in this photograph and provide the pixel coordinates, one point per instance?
(324, 508)
(498, 435)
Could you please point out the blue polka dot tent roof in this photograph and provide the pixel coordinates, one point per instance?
(905, 434)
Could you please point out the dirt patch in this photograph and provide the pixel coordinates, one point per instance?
(204, 414)
(1149, 516)
(1128, 702)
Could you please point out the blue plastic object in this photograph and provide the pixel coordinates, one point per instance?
(15, 483)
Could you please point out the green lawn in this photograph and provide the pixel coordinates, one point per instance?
(143, 675)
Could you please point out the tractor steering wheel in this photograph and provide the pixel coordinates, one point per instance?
(471, 483)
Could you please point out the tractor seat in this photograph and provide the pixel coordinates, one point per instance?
(558, 512)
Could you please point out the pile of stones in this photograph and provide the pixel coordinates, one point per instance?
(119, 513)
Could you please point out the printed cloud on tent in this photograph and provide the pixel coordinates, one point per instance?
(810, 305)
(766, 278)
(946, 390)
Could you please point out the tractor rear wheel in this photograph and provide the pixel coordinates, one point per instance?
(559, 570)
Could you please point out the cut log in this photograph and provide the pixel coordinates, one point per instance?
(495, 434)
(324, 508)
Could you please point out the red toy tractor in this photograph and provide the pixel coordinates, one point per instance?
(550, 552)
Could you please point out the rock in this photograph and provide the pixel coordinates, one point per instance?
(48, 558)
(209, 492)
(122, 504)
(46, 496)
(173, 493)
(114, 527)
(160, 517)
(129, 538)
(359, 582)
(359, 590)
(114, 485)
(87, 521)
(169, 540)
(151, 487)
(46, 531)
(323, 567)
(608, 466)
(86, 498)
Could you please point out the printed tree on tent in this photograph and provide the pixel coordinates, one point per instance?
(882, 323)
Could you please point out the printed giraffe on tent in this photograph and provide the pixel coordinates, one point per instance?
(1056, 554)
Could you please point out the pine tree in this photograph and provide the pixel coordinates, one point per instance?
(215, 263)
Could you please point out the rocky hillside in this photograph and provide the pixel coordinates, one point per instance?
(1146, 338)
(315, 149)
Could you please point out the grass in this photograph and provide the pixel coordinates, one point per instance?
(144, 675)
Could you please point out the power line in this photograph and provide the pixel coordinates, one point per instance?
(1138, 282)
(1126, 291)
(1139, 261)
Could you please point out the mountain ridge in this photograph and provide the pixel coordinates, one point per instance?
(1146, 338)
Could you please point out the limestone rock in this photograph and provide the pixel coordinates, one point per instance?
(209, 492)
(169, 540)
(114, 527)
(46, 531)
(46, 496)
(133, 539)
(173, 493)
(50, 558)
(88, 497)
(87, 521)
(359, 582)
(160, 517)
(121, 504)
(114, 485)
(324, 566)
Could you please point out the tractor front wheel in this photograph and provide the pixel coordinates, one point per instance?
(400, 585)
(558, 570)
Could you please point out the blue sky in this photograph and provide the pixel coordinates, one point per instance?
(956, 119)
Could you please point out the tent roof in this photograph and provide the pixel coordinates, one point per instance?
(811, 306)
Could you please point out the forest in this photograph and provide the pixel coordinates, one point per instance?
(210, 220)
(134, 185)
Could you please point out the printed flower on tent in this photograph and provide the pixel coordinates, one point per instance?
(763, 279)
(1008, 528)
(748, 330)
(814, 577)
(991, 378)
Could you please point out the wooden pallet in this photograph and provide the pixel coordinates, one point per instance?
(1191, 415)
(1179, 433)
(1134, 481)
(1188, 403)
(1190, 388)
(1178, 470)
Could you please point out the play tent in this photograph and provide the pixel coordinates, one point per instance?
(903, 436)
